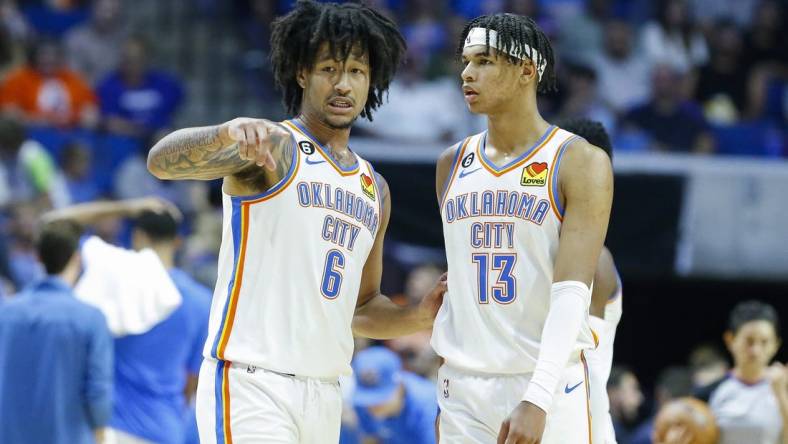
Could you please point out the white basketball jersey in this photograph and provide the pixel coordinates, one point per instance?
(501, 228)
(290, 266)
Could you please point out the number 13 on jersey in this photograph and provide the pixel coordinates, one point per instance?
(498, 266)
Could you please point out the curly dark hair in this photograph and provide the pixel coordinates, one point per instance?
(514, 32)
(297, 36)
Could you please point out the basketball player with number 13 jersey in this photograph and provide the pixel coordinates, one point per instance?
(525, 207)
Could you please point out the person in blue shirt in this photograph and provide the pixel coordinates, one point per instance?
(393, 406)
(137, 100)
(56, 354)
(154, 370)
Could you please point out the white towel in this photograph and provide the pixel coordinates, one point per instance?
(132, 288)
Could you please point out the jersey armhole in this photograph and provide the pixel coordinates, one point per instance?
(458, 154)
(553, 191)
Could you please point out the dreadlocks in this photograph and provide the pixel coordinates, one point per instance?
(297, 36)
(514, 33)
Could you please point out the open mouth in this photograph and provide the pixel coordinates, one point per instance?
(341, 103)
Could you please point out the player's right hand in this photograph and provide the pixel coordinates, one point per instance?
(777, 374)
(256, 138)
(525, 425)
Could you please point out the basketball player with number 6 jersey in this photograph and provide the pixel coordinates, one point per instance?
(525, 208)
(304, 219)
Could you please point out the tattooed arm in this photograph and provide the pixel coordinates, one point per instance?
(235, 150)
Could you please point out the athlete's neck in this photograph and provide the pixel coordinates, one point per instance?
(749, 374)
(516, 130)
(332, 138)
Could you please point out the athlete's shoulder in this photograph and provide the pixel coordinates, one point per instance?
(585, 161)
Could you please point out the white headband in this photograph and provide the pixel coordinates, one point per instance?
(478, 36)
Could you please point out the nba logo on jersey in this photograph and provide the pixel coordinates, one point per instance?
(534, 175)
(367, 187)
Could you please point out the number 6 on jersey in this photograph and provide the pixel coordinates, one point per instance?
(504, 290)
(332, 274)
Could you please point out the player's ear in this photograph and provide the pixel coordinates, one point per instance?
(301, 78)
(527, 71)
(727, 337)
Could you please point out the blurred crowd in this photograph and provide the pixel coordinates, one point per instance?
(81, 101)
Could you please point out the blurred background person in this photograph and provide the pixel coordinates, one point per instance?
(623, 390)
(155, 369)
(138, 100)
(393, 406)
(672, 39)
(93, 49)
(751, 403)
(668, 122)
(28, 172)
(622, 69)
(56, 383)
(672, 383)
(708, 365)
(46, 92)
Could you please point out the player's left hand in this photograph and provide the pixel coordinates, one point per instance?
(431, 302)
(525, 425)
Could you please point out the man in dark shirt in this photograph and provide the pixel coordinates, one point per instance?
(670, 123)
(56, 377)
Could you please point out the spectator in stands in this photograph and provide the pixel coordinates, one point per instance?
(137, 100)
(766, 40)
(623, 72)
(766, 60)
(27, 171)
(56, 380)
(670, 123)
(76, 166)
(93, 49)
(623, 389)
(393, 406)
(12, 20)
(154, 368)
(46, 92)
(722, 82)
(708, 12)
(424, 32)
(582, 35)
(672, 383)
(708, 365)
(258, 76)
(673, 39)
(751, 403)
(14, 33)
(439, 116)
(582, 99)
(53, 18)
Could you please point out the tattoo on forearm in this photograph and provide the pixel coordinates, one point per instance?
(196, 153)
